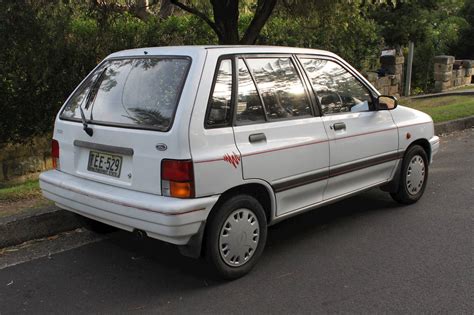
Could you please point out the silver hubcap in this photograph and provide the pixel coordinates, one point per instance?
(415, 175)
(238, 238)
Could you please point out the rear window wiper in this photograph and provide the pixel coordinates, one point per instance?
(86, 128)
(90, 96)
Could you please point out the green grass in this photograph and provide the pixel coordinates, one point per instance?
(443, 108)
(27, 190)
(462, 88)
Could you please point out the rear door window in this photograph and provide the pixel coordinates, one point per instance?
(141, 92)
(281, 88)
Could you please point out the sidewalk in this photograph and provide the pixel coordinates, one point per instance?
(51, 220)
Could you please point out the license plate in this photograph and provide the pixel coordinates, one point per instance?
(104, 163)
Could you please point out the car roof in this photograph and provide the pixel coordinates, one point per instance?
(223, 49)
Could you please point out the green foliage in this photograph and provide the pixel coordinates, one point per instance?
(334, 26)
(464, 46)
(434, 27)
(34, 65)
(49, 46)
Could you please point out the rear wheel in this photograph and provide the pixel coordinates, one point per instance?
(414, 176)
(96, 226)
(236, 236)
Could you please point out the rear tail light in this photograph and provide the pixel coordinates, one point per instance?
(177, 178)
(55, 153)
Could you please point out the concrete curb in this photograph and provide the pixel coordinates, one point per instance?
(453, 125)
(43, 222)
(442, 94)
(49, 221)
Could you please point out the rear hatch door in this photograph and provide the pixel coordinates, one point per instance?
(129, 104)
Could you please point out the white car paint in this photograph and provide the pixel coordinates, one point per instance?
(297, 165)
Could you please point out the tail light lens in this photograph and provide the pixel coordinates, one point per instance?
(55, 153)
(177, 178)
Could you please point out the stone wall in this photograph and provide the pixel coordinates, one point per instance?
(450, 73)
(388, 80)
(22, 161)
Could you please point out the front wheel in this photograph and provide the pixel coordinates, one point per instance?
(413, 177)
(236, 236)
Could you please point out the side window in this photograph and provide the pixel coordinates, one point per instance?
(338, 91)
(249, 106)
(281, 88)
(219, 107)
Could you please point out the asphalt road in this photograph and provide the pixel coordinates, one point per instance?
(362, 255)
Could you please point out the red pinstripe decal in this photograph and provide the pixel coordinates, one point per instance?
(284, 148)
(119, 203)
(314, 142)
(365, 133)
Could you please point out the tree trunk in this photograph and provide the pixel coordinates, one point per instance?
(263, 12)
(166, 9)
(226, 19)
(140, 9)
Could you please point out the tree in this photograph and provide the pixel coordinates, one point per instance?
(226, 19)
(464, 48)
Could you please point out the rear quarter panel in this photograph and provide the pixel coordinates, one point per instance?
(214, 173)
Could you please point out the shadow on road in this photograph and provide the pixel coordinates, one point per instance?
(281, 236)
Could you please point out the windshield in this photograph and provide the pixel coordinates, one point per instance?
(140, 92)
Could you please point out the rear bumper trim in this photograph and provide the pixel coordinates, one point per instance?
(120, 203)
(169, 219)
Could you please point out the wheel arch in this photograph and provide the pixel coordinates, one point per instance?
(424, 143)
(261, 191)
(392, 186)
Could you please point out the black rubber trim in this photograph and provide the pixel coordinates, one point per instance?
(364, 164)
(103, 147)
(337, 171)
(301, 181)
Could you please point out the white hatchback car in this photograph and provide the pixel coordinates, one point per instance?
(204, 147)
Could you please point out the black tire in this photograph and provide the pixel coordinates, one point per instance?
(96, 226)
(405, 194)
(215, 225)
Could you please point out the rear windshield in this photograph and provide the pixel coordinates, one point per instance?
(141, 92)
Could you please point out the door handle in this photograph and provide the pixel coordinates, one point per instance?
(338, 126)
(257, 137)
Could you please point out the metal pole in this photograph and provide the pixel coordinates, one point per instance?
(411, 48)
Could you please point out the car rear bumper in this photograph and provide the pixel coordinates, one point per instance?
(434, 143)
(169, 219)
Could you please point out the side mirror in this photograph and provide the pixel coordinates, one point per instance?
(386, 102)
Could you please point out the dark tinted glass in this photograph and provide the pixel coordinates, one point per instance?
(249, 107)
(281, 88)
(220, 102)
(141, 92)
(338, 90)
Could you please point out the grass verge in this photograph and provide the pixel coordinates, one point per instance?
(27, 190)
(443, 108)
